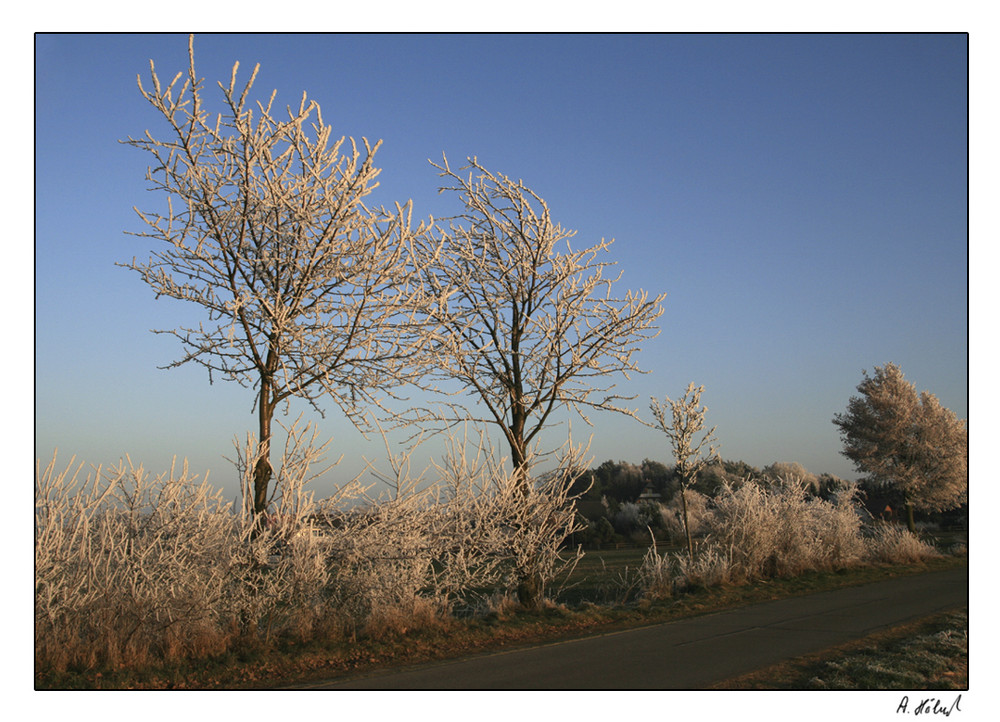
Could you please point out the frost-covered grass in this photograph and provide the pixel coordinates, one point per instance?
(889, 543)
(929, 655)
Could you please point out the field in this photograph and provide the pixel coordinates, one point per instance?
(603, 576)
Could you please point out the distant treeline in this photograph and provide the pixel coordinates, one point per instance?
(623, 481)
(615, 483)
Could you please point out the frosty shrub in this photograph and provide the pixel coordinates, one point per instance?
(759, 530)
(636, 517)
(709, 567)
(626, 519)
(499, 530)
(380, 558)
(660, 575)
(699, 516)
(465, 560)
(656, 574)
(128, 566)
(531, 528)
(778, 529)
(132, 569)
(890, 543)
(286, 573)
(792, 470)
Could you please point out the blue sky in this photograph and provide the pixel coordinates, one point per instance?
(801, 199)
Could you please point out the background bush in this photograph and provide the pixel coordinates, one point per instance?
(765, 528)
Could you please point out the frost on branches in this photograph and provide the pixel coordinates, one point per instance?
(309, 292)
(682, 420)
(524, 322)
(906, 441)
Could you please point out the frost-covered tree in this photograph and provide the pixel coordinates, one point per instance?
(944, 444)
(683, 421)
(309, 292)
(528, 324)
(906, 441)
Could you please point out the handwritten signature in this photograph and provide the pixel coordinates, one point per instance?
(931, 705)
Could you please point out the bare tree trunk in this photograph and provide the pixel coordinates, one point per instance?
(529, 591)
(687, 529)
(518, 452)
(262, 471)
(529, 583)
(520, 463)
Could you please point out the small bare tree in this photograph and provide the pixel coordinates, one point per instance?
(525, 323)
(308, 291)
(682, 420)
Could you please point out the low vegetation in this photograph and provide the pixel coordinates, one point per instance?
(159, 582)
(132, 570)
(760, 531)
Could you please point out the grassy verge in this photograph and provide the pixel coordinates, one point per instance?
(288, 663)
(930, 654)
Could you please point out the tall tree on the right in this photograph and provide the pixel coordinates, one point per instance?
(907, 441)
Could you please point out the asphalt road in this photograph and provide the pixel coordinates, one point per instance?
(692, 653)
